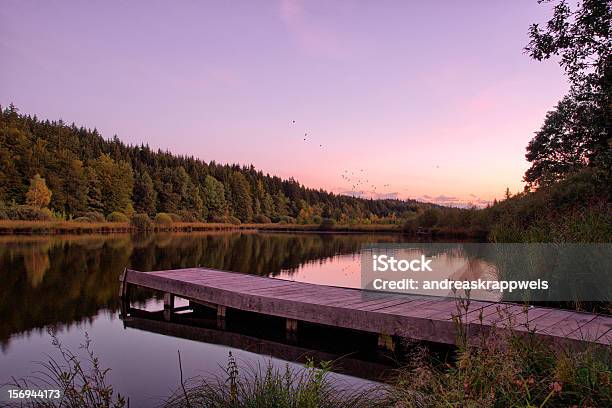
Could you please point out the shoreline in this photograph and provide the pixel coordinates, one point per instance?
(18, 227)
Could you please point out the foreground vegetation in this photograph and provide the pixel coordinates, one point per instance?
(499, 368)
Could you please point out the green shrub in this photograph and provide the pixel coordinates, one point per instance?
(187, 216)
(117, 216)
(28, 213)
(285, 219)
(163, 219)
(93, 216)
(261, 219)
(81, 219)
(141, 222)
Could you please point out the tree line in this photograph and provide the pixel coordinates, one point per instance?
(86, 173)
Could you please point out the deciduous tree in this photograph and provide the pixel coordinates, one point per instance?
(38, 194)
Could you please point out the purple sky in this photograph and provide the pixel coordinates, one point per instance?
(432, 99)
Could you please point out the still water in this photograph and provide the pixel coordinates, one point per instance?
(71, 283)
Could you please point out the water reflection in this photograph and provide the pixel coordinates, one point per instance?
(64, 280)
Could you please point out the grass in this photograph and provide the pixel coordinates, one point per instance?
(269, 387)
(80, 379)
(75, 227)
(505, 369)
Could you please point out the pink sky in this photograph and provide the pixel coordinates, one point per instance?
(432, 100)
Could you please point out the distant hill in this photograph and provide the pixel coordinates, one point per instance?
(86, 172)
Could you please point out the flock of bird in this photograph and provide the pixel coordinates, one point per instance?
(306, 136)
(355, 179)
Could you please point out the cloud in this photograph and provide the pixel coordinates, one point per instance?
(453, 201)
(386, 196)
(311, 36)
(445, 199)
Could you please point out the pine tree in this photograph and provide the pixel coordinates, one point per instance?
(94, 191)
(145, 196)
(507, 194)
(242, 203)
(214, 197)
(116, 182)
(281, 203)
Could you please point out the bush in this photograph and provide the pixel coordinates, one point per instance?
(220, 219)
(261, 219)
(234, 220)
(285, 219)
(28, 213)
(174, 217)
(141, 222)
(93, 216)
(117, 216)
(187, 216)
(81, 219)
(163, 219)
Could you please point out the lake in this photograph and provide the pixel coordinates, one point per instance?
(70, 283)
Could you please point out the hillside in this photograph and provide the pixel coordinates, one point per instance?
(87, 173)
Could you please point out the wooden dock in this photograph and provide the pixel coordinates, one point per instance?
(390, 315)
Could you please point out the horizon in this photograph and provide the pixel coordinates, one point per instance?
(253, 92)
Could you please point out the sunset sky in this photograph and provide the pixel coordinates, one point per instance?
(433, 100)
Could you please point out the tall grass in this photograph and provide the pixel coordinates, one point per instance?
(81, 380)
(267, 387)
(503, 368)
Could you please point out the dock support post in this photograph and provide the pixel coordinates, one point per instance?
(221, 311)
(124, 294)
(168, 305)
(291, 326)
(386, 342)
(168, 301)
